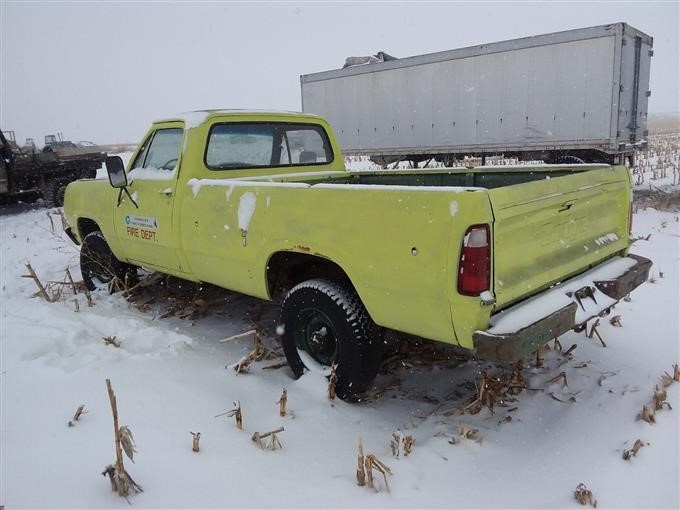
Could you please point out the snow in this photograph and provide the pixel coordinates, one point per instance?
(397, 187)
(151, 174)
(169, 377)
(193, 119)
(532, 310)
(453, 207)
(246, 209)
(197, 184)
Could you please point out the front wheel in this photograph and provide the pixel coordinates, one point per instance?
(325, 323)
(99, 266)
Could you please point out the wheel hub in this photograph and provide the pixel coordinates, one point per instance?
(315, 335)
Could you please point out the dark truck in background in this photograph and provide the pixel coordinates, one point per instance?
(28, 174)
(567, 97)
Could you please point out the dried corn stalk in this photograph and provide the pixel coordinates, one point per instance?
(594, 331)
(127, 442)
(236, 412)
(273, 442)
(397, 443)
(79, 412)
(361, 471)
(111, 340)
(332, 381)
(121, 481)
(400, 444)
(627, 454)
(584, 496)
(259, 352)
(194, 443)
(647, 415)
(467, 432)
(666, 379)
(282, 402)
(494, 391)
(41, 288)
(660, 398)
(409, 441)
(373, 463)
(562, 376)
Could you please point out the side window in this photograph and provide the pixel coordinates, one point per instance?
(161, 150)
(266, 144)
(139, 160)
(308, 146)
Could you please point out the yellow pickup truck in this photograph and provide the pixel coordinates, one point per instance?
(496, 260)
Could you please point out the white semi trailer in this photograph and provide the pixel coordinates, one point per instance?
(574, 96)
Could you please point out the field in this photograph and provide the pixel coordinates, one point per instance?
(535, 432)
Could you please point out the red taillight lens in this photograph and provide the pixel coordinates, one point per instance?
(473, 267)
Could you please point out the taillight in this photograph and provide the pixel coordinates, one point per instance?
(473, 267)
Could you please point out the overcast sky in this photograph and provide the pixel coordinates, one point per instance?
(102, 71)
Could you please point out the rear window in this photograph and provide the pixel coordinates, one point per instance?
(266, 144)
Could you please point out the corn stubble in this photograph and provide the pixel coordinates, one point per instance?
(584, 495)
(659, 397)
(195, 446)
(121, 481)
(628, 454)
(235, 413)
(79, 412)
(494, 391)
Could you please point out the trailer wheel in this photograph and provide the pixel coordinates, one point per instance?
(54, 191)
(99, 267)
(571, 160)
(325, 323)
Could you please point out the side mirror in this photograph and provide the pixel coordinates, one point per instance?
(116, 170)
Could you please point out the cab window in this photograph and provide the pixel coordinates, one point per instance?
(266, 144)
(161, 150)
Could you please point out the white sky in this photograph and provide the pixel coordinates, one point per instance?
(102, 71)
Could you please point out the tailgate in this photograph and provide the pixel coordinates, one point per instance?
(545, 231)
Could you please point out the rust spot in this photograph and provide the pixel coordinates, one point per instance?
(303, 248)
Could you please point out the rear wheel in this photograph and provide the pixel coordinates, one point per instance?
(99, 266)
(325, 323)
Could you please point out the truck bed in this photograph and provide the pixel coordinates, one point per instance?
(550, 222)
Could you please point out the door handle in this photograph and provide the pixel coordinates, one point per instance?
(167, 192)
(566, 206)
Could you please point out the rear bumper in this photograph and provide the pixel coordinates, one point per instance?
(523, 328)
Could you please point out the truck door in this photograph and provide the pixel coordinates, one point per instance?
(147, 227)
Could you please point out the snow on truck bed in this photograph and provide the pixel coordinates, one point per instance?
(170, 379)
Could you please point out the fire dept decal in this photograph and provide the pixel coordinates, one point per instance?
(141, 227)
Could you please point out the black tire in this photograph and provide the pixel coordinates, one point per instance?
(99, 267)
(54, 191)
(329, 324)
(571, 160)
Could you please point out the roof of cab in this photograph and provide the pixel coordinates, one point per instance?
(198, 117)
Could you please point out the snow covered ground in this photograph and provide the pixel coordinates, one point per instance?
(170, 379)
